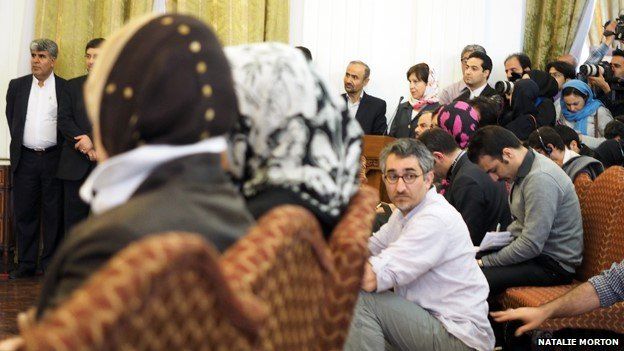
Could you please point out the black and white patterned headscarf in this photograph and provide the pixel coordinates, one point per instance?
(293, 133)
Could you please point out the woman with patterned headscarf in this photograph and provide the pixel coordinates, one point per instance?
(160, 98)
(295, 142)
(422, 99)
(460, 120)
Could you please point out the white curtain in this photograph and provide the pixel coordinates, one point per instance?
(579, 46)
(17, 28)
(392, 35)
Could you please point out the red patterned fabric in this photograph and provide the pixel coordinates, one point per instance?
(349, 248)
(602, 208)
(309, 288)
(281, 287)
(165, 292)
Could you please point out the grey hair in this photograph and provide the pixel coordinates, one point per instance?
(45, 45)
(366, 68)
(473, 48)
(406, 147)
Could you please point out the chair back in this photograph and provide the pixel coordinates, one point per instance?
(602, 208)
(284, 261)
(164, 292)
(349, 248)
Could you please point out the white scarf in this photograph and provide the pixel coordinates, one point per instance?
(113, 181)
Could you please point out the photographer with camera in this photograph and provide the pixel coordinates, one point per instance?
(521, 118)
(608, 80)
(544, 108)
(581, 111)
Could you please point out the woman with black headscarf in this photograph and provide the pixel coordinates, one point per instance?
(521, 119)
(160, 98)
(548, 89)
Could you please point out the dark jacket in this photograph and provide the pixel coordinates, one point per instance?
(189, 194)
(72, 122)
(17, 97)
(488, 91)
(371, 114)
(548, 88)
(481, 201)
(610, 153)
(403, 124)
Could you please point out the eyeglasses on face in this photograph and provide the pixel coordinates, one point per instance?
(408, 178)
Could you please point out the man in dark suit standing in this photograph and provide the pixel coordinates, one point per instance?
(368, 110)
(481, 201)
(32, 105)
(476, 75)
(78, 154)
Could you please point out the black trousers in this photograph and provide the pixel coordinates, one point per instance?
(74, 209)
(37, 203)
(539, 271)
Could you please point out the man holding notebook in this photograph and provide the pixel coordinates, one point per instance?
(547, 225)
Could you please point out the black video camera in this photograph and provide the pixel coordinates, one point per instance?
(619, 28)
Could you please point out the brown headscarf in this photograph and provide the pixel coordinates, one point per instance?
(163, 79)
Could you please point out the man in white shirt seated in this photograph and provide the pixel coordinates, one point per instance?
(452, 91)
(425, 255)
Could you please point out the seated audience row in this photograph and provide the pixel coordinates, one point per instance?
(161, 144)
(527, 110)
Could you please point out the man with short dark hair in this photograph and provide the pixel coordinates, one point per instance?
(78, 153)
(488, 108)
(370, 111)
(32, 104)
(481, 201)
(547, 227)
(611, 151)
(424, 254)
(516, 65)
(476, 75)
(561, 71)
(572, 140)
(451, 92)
(547, 142)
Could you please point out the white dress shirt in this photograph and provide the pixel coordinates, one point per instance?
(477, 92)
(41, 115)
(353, 106)
(428, 258)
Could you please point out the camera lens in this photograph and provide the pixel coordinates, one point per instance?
(503, 87)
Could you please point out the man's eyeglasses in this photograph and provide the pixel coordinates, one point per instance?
(408, 178)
